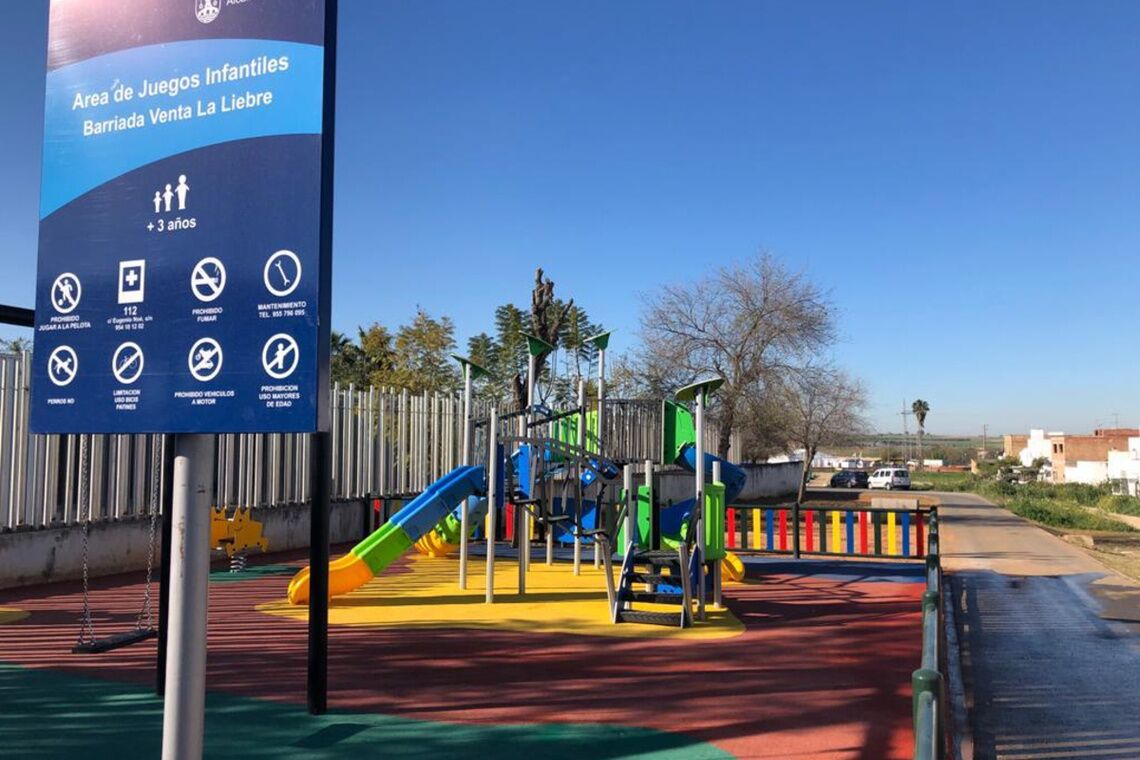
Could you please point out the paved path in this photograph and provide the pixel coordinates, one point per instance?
(1050, 652)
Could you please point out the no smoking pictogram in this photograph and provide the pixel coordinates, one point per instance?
(208, 279)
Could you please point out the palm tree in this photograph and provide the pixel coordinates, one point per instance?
(920, 409)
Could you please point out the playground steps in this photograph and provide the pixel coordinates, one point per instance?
(653, 597)
(649, 570)
(648, 618)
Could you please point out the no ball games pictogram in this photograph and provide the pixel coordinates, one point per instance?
(65, 293)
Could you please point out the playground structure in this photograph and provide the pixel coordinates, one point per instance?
(554, 478)
(543, 474)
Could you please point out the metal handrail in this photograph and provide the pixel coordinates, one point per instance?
(927, 682)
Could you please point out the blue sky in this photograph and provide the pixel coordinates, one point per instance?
(963, 178)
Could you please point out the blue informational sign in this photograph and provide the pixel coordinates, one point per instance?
(185, 217)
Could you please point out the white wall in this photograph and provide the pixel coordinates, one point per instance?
(1038, 446)
(1125, 465)
(55, 554)
(763, 481)
(1090, 473)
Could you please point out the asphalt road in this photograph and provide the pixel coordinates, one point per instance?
(1050, 648)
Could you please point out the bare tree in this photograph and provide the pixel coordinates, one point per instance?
(825, 407)
(748, 323)
(547, 315)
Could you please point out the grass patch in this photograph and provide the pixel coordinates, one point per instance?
(1063, 514)
(1121, 505)
(1058, 505)
(940, 481)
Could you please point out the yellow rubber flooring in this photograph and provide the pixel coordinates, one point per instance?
(11, 615)
(425, 592)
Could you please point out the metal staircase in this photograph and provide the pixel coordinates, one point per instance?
(659, 577)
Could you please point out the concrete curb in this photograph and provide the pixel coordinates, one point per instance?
(961, 737)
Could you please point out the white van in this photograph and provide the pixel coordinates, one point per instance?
(889, 478)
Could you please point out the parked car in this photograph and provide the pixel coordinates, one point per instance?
(890, 478)
(849, 479)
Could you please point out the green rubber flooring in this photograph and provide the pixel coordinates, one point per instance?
(251, 573)
(47, 714)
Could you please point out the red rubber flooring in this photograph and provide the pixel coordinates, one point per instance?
(823, 670)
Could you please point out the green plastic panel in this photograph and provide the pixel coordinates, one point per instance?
(677, 431)
(644, 520)
(714, 521)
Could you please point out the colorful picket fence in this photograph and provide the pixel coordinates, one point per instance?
(838, 530)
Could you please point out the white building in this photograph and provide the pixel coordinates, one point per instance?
(1124, 467)
(1037, 446)
(1090, 473)
(821, 461)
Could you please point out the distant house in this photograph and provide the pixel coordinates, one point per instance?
(1077, 458)
(1124, 468)
(821, 461)
(1013, 444)
(1084, 458)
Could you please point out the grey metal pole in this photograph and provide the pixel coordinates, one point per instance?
(464, 527)
(716, 565)
(601, 396)
(524, 514)
(579, 492)
(492, 498)
(699, 402)
(630, 510)
(183, 721)
(601, 449)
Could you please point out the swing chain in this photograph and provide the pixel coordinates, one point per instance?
(87, 625)
(145, 614)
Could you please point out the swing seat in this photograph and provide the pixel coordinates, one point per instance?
(116, 641)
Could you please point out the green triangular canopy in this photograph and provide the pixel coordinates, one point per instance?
(601, 341)
(708, 386)
(536, 345)
(477, 371)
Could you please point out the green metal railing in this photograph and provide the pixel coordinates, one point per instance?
(929, 701)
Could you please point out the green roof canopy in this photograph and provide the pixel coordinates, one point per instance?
(708, 386)
(601, 341)
(536, 345)
(477, 371)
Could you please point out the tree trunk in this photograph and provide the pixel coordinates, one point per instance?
(518, 385)
(727, 423)
(809, 455)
